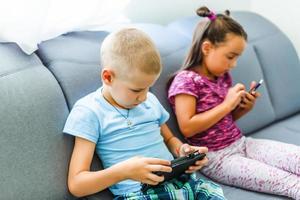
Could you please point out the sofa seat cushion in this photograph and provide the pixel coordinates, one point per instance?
(235, 193)
(286, 130)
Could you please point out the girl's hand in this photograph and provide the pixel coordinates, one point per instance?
(235, 95)
(186, 149)
(248, 101)
(141, 169)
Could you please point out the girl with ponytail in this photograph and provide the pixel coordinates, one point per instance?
(207, 105)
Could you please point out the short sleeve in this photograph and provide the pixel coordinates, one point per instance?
(83, 122)
(162, 113)
(183, 83)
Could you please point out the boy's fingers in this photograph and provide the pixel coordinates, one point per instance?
(158, 161)
(156, 178)
(186, 148)
(202, 162)
(150, 182)
(203, 149)
(160, 168)
(193, 169)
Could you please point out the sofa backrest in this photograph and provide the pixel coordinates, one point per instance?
(76, 66)
(34, 155)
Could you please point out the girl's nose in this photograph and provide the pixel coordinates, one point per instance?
(233, 64)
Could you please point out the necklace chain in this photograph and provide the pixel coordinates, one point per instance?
(129, 123)
(126, 117)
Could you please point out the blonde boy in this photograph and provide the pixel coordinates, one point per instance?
(125, 124)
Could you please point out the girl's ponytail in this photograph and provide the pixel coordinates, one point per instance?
(205, 12)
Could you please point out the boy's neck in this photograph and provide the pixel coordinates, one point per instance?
(107, 96)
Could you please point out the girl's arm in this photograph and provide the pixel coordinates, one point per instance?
(191, 123)
(82, 181)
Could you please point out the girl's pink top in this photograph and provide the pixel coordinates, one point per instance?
(208, 94)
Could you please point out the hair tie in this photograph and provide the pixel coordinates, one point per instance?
(212, 16)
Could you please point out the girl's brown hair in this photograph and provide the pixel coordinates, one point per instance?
(214, 29)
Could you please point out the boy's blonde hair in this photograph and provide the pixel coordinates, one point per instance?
(128, 50)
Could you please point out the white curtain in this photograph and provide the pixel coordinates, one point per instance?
(29, 22)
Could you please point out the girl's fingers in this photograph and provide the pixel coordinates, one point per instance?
(239, 86)
(251, 96)
(257, 94)
(252, 84)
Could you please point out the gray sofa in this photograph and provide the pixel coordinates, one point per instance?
(38, 91)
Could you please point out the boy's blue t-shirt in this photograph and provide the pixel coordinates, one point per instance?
(96, 120)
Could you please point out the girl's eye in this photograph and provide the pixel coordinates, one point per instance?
(230, 57)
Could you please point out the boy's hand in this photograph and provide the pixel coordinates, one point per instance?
(186, 149)
(141, 169)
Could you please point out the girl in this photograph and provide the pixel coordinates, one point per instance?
(207, 106)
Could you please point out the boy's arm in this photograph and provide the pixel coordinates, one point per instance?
(82, 181)
(179, 149)
(171, 141)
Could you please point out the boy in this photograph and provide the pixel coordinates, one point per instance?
(125, 125)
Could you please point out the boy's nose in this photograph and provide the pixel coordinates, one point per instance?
(142, 98)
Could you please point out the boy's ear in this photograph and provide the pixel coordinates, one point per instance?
(107, 76)
(206, 47)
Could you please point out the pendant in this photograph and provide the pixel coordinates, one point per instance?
(129, 123)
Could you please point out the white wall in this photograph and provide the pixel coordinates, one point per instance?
(164, 11)
(284, 14)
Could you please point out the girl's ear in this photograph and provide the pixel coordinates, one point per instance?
(206, 47)
(107, 76)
